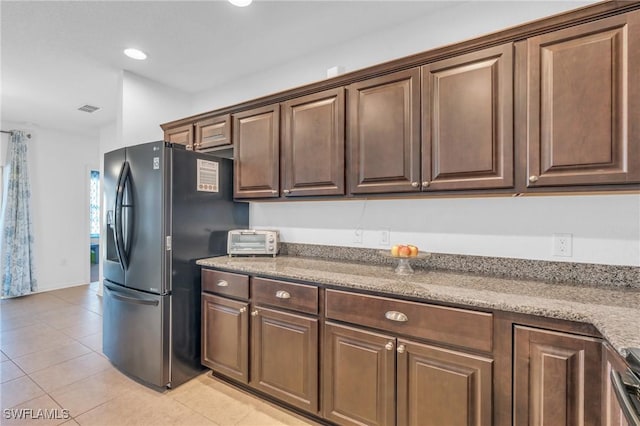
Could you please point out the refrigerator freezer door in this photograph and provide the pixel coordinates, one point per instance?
(148, 184)
(114, 161)
(136, 333)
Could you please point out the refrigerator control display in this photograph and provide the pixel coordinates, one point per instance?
(207, 176)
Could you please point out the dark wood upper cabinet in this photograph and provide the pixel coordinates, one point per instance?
(213, 132)
(182, 135)
(225, 336)
(284, 357)
(438, 386)
(557, 378)
(256, 136)
(467, 121)
(384, 134)
(584, 104)
(548, 106)
(313, 144)
(358, 376)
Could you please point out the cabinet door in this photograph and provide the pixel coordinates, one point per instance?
(313, 144)
(467, 121)
(557, 378)
(584, 104)
(225, 337)
(256, 137)
(182, 135)
(384, 134)
(358, 376)
(442, 387)
(213, 132)
(284, 358)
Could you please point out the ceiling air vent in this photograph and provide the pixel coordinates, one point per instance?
(88, 108)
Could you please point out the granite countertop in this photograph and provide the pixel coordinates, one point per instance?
(615, 312)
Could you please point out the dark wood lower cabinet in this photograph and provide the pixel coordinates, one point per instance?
(284, 357)
(358, 376)
(225, 336)
(439, 386)
(557, 378)
(372, 379)
(347, 373)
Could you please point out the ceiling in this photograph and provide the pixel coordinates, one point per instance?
(59, 55)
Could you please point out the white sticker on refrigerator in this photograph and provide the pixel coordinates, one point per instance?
(207, 176)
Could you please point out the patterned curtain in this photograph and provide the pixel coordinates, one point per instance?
(18, 275)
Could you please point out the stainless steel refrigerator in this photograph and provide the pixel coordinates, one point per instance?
(165, 207)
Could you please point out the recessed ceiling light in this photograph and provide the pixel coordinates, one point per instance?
(135, 54)
(240, 3)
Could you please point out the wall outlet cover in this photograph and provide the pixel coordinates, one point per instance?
(562, 245)
(357, 236)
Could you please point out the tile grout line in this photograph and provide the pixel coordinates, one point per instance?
(75, 340)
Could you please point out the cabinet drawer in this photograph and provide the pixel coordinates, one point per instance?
(225, 283)
(297, 297)
(213, 132)
(452, 326)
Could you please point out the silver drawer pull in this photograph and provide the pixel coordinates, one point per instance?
(396, 316)
(281, 294)
(222, 283)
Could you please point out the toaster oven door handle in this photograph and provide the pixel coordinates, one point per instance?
(624, 398)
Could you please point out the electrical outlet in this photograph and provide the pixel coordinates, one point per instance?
(385, 237)
(562, 245)
(357, 236)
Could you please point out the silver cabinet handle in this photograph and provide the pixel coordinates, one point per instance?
(414, 184)
(426, 184)
(254, 313)
(222, 283)
(396, 316)
(242, 310)
(389, 346)
(533, 178)
(273, 191)
(286, 191)
(281, 294)
(401, 349)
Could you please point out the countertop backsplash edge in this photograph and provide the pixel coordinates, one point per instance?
(527, 269)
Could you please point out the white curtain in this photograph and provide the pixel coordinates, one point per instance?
(16, 247)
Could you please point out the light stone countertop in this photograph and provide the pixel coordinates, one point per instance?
(615, 312)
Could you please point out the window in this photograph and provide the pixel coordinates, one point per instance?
(94, 204)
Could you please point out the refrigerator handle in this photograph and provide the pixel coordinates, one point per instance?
(128, 223)
(118, 216)
(135, 300)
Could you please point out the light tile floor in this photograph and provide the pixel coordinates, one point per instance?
(51, 360)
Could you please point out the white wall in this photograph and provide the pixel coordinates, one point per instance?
(461, 21)
(146, 104)
(59, 165)
(605, 228)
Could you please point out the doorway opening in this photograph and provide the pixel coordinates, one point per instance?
(94, 224)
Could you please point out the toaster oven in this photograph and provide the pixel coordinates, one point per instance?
(251, 242)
